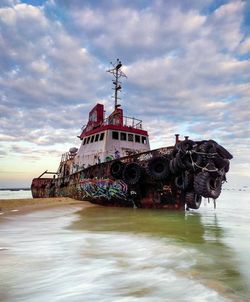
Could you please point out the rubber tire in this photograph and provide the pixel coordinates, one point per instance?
(185, 146)
(220, 162)
(193, 200)
(227, 166)
(173, 166)
(116, 169)
(132, 174)
(207, 186)
(210, 146)
(223, 152)
(197, 158)
(184, 181)
(179, 182)
(158, 168)
(179, 163)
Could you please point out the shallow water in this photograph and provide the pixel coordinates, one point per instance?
(19, 194)
(115, 254)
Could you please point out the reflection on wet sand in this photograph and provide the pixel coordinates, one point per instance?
(181, 226)
(215, 264)
(114, 254)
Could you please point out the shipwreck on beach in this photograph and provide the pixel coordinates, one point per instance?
(114, 165)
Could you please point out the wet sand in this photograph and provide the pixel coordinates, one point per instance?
(59, 249)
(31, 204)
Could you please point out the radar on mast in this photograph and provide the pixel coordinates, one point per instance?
(117, 73)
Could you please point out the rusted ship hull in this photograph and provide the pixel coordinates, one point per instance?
(108, 192)
(97, 185)
(171, 178)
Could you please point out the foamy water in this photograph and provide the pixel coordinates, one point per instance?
(109, 254)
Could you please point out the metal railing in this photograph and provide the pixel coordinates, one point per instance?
(127, 122)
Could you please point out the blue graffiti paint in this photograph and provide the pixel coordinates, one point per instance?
(105, 188)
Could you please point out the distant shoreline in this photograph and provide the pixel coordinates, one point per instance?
(15, 189)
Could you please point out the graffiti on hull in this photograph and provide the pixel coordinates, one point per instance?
(103, 188)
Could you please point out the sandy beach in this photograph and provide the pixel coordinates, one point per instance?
(30, 204)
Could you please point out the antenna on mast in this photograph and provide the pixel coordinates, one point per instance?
(117, 73)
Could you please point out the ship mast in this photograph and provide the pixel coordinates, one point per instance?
(117, 73)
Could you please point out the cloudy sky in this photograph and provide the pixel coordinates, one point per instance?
(187, 63)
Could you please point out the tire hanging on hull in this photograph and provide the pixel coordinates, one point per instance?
(132, 174)
(158, 168)
(193, 200)
(207, 186)
(184, 181)
(116, 169)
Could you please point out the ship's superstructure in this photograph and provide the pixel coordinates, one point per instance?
(105, 139)
(111, 138)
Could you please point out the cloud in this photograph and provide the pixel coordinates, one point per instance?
(44, 71)
(42, 63)
(244, 47)
(187, 64)
(132, 32)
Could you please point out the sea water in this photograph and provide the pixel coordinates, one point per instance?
(15, 194)
(116, 254)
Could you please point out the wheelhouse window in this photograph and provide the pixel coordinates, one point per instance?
(102, 136)
(92, 138)
(85, 141)
(115, 135)
(123, 136)
(96, 137)
(137, 139)
(88, 139)
(130, 137)
(144, 140)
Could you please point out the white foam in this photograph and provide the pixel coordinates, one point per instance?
(50, 263)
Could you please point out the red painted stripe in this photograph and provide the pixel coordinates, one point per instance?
(114, 127)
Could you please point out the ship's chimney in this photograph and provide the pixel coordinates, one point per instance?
(186, 138)
(177, 138)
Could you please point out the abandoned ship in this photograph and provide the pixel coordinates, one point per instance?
(114, 165)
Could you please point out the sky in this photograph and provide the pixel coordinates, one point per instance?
(187, 64)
